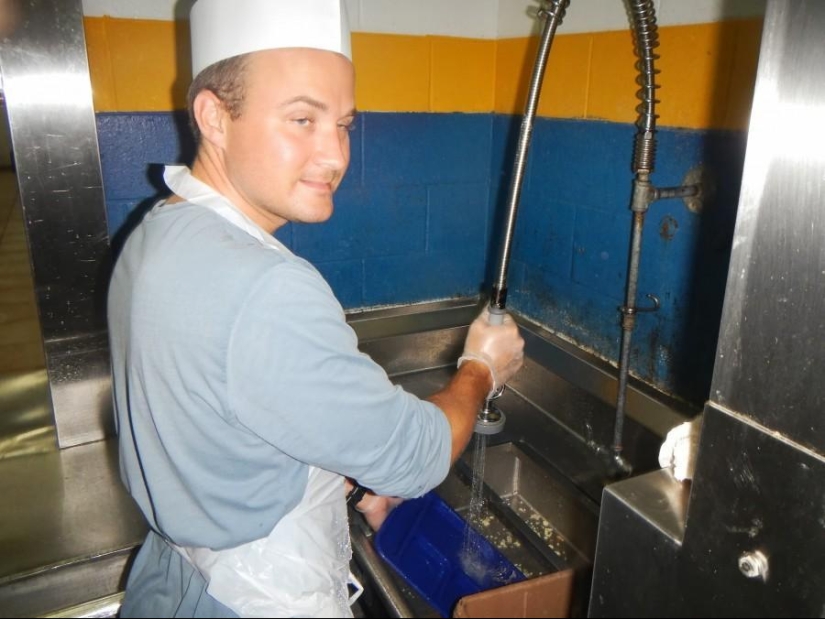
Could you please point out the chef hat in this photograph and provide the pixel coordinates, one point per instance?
(225, 28)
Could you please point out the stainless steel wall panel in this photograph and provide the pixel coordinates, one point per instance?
(758, 494)
(49, 100)
(771, 354)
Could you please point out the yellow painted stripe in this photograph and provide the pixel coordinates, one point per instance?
(392, 73)
(743, 77)
(706, 80)
(697, 62)
(138, 65)
(100, 67)
(707, 72)
(612, 78)
(564, 88)
(463, 75)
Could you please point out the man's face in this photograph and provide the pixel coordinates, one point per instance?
(288, 151)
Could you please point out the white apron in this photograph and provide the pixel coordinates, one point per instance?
(302, 568)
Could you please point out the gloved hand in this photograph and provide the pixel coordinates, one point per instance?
(499, 347)
(376, 508)
(680, 447)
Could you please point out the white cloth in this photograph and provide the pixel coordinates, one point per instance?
(680, 448)
(302, 567)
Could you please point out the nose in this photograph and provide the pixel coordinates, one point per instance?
(332, 149)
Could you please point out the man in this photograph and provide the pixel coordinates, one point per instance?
(242, 400)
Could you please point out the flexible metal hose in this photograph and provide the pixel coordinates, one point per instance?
(491, 420)
(553, 13)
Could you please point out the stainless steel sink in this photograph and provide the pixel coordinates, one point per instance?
(553, 515)
(545, 472)
(540, 522)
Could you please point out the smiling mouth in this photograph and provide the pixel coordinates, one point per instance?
(323, 186)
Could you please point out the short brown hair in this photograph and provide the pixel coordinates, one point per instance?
(225, 79)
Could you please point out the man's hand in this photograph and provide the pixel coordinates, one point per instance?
(499, 347)
(376, 508)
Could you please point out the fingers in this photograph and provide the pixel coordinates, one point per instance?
(500, 347)
(377, 509)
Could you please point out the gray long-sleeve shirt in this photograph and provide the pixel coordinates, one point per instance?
(233, 370)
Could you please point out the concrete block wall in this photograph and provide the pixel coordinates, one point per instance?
(441, 86)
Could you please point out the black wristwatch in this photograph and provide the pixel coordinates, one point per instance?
(356, 494)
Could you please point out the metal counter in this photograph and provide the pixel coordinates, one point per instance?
(67, 529)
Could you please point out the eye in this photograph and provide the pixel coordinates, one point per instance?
(302, 122)
(348, 126)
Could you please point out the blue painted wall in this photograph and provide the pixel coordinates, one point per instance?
(411, 216)
(571, 246)
(418, 218)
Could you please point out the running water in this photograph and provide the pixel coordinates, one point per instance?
(477, 489)
(471, 556)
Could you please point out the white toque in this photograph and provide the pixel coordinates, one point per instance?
(222, 29)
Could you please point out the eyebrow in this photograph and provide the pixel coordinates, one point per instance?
(308, 100)
(319, 105)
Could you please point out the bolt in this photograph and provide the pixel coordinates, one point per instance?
(754, 564)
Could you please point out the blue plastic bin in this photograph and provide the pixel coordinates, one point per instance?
(424, 540)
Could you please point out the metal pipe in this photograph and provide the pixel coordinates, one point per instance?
(644, 26)
(643, 15)
(628, 324)
(685, 191)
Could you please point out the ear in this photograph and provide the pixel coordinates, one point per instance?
(211, 116)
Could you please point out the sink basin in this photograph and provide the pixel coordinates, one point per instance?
(541, 505)
(538, 521)
(544, 473)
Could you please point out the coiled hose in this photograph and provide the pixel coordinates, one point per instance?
(646, 41)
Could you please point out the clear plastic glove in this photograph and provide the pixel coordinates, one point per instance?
(499, 347)
(680, 447)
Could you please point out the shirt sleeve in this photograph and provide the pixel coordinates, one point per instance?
(296, 379)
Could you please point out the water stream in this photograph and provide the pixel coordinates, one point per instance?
(471, 556)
